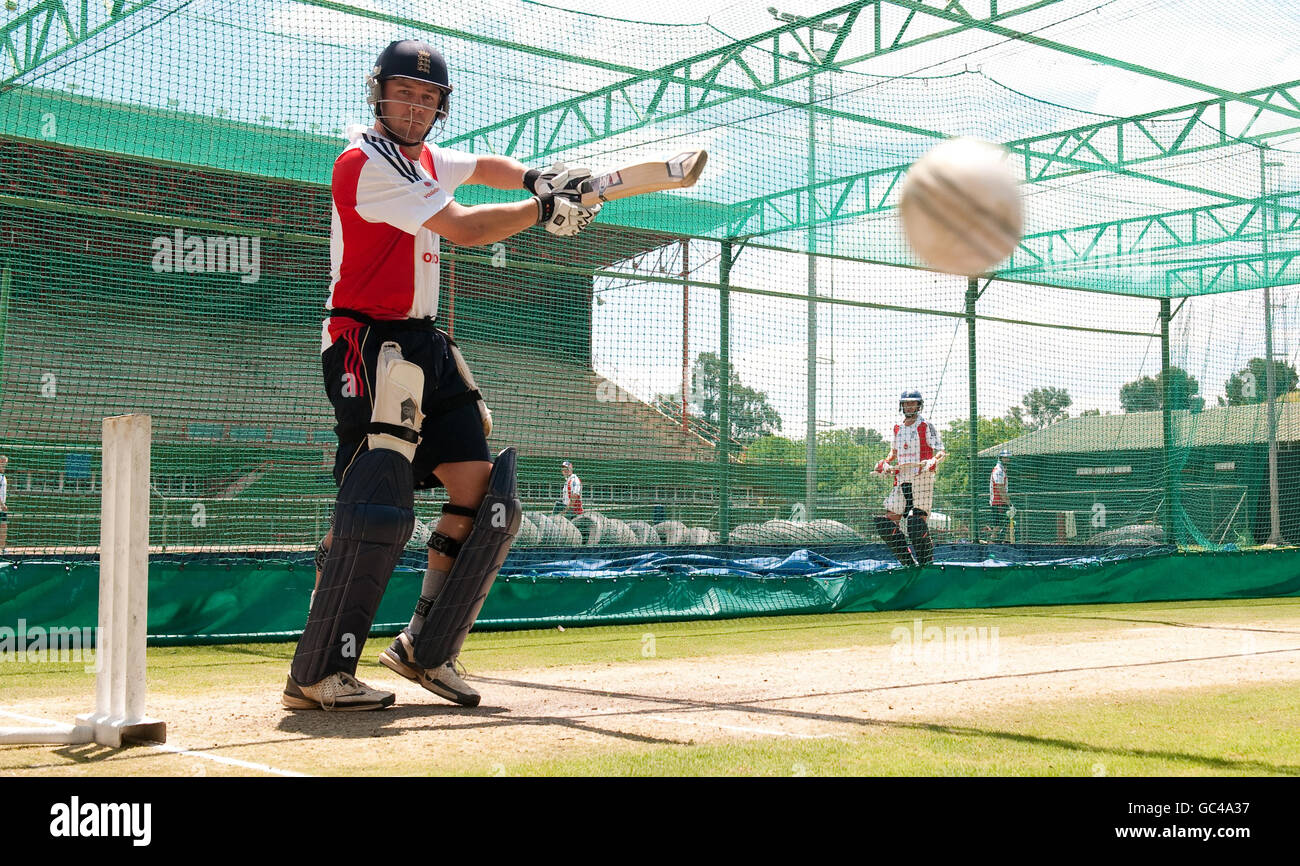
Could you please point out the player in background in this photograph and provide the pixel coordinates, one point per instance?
(4, 503)
(918, 450)
(571, 497)
(409, 413)
(999, 498)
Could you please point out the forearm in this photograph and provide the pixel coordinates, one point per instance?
(498, 172)
(485, 223)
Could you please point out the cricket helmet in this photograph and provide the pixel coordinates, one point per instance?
(910, 397)
(409, 58)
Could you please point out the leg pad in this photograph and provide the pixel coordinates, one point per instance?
(919, 531)
(453, 612)
(372, 523)
(894, 539)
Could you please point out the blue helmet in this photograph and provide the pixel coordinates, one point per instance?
(409, 58)
(1003, 454)
(909, 397)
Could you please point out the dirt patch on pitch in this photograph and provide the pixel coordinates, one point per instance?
(540, 715)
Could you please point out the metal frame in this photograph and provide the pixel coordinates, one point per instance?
(33, 38)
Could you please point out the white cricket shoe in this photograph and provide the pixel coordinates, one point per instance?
(338, 691)
(443, 681)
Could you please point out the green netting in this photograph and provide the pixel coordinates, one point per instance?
(212, 601)
(721, 364)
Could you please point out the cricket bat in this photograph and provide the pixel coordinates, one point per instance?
(678, 172)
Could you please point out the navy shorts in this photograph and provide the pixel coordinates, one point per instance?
(455, 436)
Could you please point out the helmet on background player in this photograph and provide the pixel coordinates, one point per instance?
(1003, 455)
(911, 397)
(409, 58)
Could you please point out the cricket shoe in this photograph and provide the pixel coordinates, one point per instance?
(338, 691)
(443, 681)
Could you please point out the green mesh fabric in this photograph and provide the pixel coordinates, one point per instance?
(721, 364)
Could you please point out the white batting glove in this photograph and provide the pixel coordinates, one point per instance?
(557, 178)
(930, 465)
(881, 468)
(563, 216)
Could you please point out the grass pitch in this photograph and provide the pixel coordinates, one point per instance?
(1189, 688)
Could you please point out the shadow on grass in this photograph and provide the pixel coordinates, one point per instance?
(380, 723)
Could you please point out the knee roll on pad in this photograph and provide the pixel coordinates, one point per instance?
(894, 540)
(484, 413)
(458, 603)
(372, 523)
(919, 531)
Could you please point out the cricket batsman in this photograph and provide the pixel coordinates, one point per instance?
(409, 413)
(918, 450)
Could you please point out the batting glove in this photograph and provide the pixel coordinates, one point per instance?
(930, 465)
(881, 467)
(562, 215)
(557, 178)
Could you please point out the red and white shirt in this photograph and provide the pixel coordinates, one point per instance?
(573, 493)
(383, 261)
(998, 485)
(915, 443)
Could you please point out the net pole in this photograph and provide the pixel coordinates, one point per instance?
(686, 330)
(724, 394)
(6, 282)
(810, 428)
(1167, 418)
(972, 295)
(1274, 517)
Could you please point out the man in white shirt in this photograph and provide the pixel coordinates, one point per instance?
(571, 498)
(409, 413)
(4, 503)
(1000, 498)
(918, 450)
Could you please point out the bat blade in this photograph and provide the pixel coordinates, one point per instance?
(678, 172)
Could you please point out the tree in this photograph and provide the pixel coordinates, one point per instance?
(1044, 406)
(774, 449)
(751, 415)
(1250, 385)
(847, 456)
(1147, 394)
(1087, 412)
